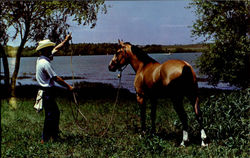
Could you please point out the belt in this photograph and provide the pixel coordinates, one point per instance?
(46, 88)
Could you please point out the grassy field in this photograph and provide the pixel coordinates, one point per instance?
(226, 118)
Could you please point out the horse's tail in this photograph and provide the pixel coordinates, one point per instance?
(192, 94)
(189, 77)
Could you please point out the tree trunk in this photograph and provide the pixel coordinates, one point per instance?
(15, 73)
(12, 100)
(6, 70)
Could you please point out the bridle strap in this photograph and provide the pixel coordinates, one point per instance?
(125, 54)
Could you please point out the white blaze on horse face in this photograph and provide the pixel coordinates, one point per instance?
(113, 59)
(112, 63)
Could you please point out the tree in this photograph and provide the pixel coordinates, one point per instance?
(36, 20)
(3, 41)
(226, 24)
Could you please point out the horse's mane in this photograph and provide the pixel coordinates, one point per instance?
(141, 55)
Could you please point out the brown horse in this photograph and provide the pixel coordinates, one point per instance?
(152, 79)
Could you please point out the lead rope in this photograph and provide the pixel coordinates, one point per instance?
(77, 107)
(116, 100)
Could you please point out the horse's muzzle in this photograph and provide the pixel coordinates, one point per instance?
(112, 68)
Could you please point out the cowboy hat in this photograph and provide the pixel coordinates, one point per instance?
(44, 43)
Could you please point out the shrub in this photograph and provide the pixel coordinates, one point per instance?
(226, 118)
(225, 23)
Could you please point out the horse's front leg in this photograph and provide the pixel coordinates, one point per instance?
(141, 102)
(153, 113)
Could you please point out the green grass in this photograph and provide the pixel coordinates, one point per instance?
(21, 129)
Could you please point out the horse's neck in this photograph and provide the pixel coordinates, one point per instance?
(136, 64)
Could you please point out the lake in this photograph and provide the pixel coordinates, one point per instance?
(94, 68)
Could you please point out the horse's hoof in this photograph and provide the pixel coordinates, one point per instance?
(143, 134)
(203, 144)
(182, 144)
(140, 136)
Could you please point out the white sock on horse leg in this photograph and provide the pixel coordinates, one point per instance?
(185, 138)
(203, 137)
(185, 135)
(203, 134)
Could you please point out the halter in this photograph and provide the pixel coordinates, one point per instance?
(123, 67)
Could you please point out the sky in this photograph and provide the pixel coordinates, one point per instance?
(139, 22)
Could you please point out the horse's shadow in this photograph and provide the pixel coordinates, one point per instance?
(176, 137)
(172, 136)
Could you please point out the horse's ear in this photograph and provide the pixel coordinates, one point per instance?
(120, 42)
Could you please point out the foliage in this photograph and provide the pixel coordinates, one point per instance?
(225, 116)
(3, 41)
(179, 49)
(94, 49)
(154, 49)
(108, 48)
(49, 19)
(36, 20)
(3, 24)
(225, 23)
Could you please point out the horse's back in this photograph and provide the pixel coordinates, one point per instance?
(173, 69)
(172, 73)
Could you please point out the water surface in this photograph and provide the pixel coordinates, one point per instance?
(94, 68)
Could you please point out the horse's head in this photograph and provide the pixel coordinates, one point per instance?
(120, 58)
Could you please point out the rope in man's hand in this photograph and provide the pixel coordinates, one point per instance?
(77, 106)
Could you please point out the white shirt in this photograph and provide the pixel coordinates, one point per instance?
(44, 72)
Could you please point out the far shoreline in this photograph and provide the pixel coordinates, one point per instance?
(83, 49)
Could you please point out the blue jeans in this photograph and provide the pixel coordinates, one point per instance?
(52, 115)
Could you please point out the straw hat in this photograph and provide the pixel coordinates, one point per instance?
(44, 43)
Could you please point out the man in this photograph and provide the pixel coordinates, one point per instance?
(46, 77)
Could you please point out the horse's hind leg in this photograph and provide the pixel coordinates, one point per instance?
(198, 114)
(178, 106)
